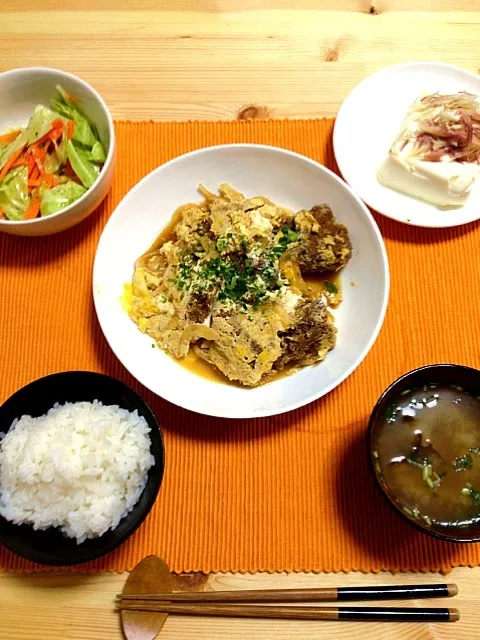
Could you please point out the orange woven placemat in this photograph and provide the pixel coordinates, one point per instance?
(289, 493)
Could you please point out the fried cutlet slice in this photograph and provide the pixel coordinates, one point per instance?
(324, 243)
(310, 338)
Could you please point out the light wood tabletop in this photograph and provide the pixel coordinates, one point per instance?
(226, 59)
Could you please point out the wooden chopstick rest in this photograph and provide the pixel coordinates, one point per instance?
(151, 574)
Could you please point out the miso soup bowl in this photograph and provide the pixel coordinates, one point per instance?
(21, 91)
(448, 374)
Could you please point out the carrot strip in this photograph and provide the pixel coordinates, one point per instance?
(2, 211)
(56, 181)
(39, 152)
(21, 162)
(36, 182)
(39, 156)
(33, 209)
(35, 153)
(69, 172)
(49, 180)
(72, 98)
(53, 133)
(56, 133)
(46, 137)
(13, 158)
(30, 164)
(70, 128)
(6, 138)
(35, 175)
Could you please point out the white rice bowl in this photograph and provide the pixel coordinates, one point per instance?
(81, 467)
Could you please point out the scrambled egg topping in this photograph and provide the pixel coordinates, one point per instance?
(227, 282)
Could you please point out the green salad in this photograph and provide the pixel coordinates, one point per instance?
(51, 162)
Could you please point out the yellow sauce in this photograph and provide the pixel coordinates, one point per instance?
(202, 368)
(316, 282)
(126, 298)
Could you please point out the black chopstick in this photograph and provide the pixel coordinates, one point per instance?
(398, 614)
(397, 592)
(359, 614)
(331, 594)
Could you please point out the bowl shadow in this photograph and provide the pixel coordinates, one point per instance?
(399, 231)
(386, 541)
(39, 251)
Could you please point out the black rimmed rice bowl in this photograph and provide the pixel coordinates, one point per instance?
(50, 546)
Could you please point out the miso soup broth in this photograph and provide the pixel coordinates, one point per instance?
(427, 450)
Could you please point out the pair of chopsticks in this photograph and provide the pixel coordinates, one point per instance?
(236, 604)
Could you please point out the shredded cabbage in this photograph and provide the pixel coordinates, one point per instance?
(57, 198)
(14, 198)
(86, 170)
(36, 167)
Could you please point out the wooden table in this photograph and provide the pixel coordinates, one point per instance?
(225, 59)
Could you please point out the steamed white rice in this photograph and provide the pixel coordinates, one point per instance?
(81, 467)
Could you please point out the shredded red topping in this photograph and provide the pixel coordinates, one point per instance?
(445, 127)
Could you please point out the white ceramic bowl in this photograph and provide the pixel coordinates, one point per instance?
(288, 179)
(21, 90)
(371, 118)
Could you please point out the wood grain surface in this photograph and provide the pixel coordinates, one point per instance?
(210, 60)
(80, 607)
(226, 59)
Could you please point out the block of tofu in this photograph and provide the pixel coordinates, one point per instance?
(436, 156)
(441, 183)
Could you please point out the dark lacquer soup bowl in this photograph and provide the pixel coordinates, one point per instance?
(424, 449)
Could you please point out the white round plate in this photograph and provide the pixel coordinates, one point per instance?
(288, 179)
(370, 119)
